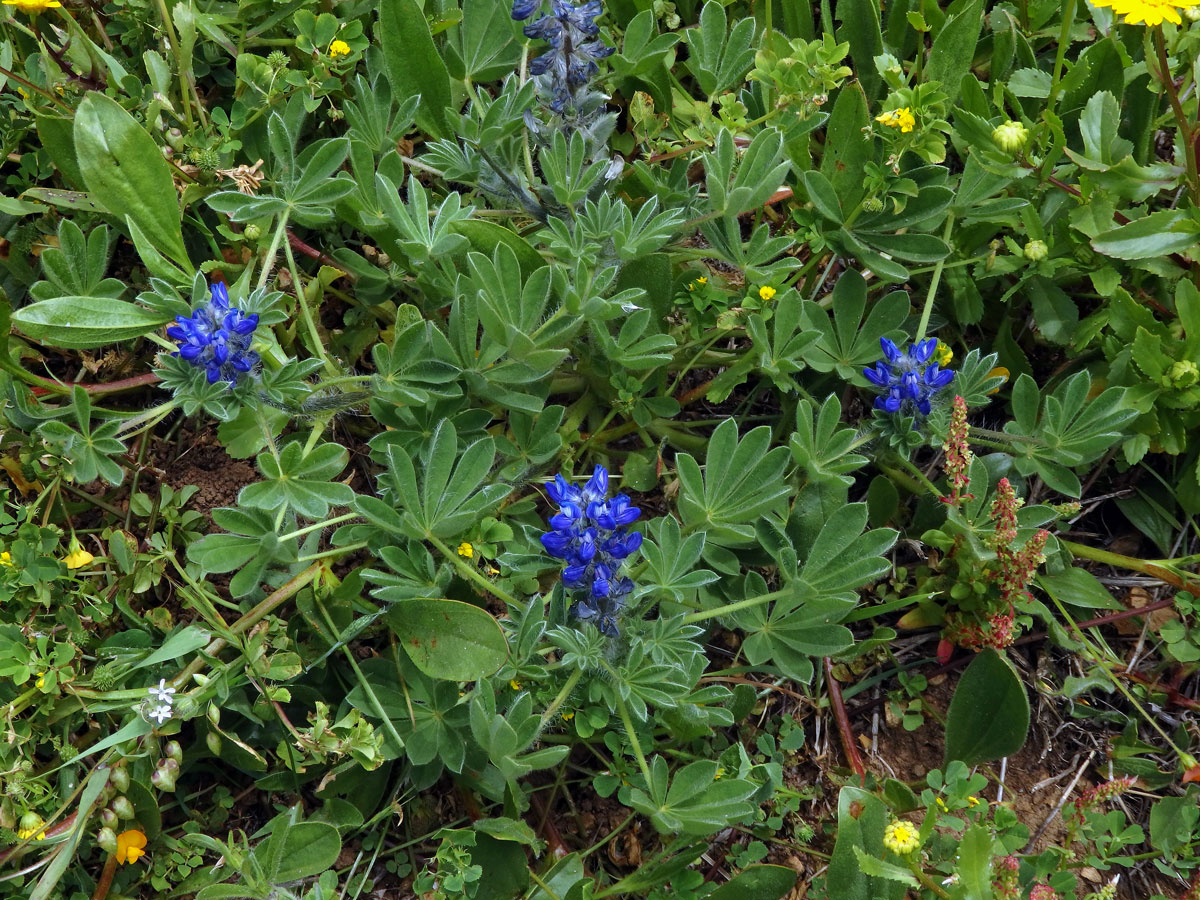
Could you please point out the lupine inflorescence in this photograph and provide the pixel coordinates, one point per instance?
(908, 378)
(574, 50)
(216, 338)
(589, 533)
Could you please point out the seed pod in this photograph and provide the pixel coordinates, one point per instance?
(119, 779)
(122, 807)
(106, 840)
(174, 752)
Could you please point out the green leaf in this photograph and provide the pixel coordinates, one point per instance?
(848, 145)
(862, 29)
(742, 482)
(448, 639)
(757, 883)
(878, 868)
(718, 61)
(414, 65)
(181, 643)
(307, 849)
(954, 48)
(975, 863)
(1158, 234)
(82, 323)
(125, 171)
(989, 714)
(1078, 587)
(696, 803)
(301, 482)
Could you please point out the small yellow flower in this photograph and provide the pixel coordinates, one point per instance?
(702, 280)
(766, 292)
(339, 48)
(941, 804)
(41, 680)
(1141, 12)
(77, 558)
(32, 7)
(130, 846)
(972, 802)
(943, 355)
(6, 559)
(515, 685)
(901, 837)
(720, 772)
(568, 716)
(903, 118)
(465, 549)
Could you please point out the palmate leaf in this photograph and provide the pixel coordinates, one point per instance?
(822, 446)
(847, 343)
(447, 498)
(1063, 430)
(804, 622)
(694, 802)
(742, 481)
(302, 482)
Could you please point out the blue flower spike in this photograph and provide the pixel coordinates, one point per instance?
(216, 338)
(589, 534)
(570, 31)
(906, 379)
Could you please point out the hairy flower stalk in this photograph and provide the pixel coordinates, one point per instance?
(958, 454)
(1014, 569)
(216, 338)
(563, 72)
(908, 379)
(589, 534)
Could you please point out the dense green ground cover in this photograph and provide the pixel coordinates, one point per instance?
(686, 449)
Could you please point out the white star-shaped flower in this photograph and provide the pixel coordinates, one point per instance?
(161, 713)
(162, 693)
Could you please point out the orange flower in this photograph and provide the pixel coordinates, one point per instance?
(130, 846)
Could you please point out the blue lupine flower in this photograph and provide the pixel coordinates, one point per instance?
(907, 380)
(571, 61)
(589, 534)
(216, 338)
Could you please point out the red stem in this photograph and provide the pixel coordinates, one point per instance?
(843, 721)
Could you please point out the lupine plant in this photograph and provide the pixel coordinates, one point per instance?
(555, 451)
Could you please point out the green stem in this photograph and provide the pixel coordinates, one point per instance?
(933, 283)
(561, 698)
(177, 52)
(1064, 40)
(1186, 137)
(268, 263)
(925, 880)
(328, 523)
(306, 313)
(469, 573)
(634, 745)
(362, 679)
(749, 603)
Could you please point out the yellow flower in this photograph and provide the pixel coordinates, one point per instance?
(972, 802)
(6, 559)
(903, 118)
(339, 48)
(77, 558)
(465, 549)
(515, 685)
(130, 846)
(941, 804)
(901, 837)
(702, 280)
(41, 680)
(32, 7)
(766, 292)
(943, 355)
(567, 717)
(1141, 12)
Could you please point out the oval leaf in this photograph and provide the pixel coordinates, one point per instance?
(989, 715)
(124, 170)
(81, 323)
(449, 639)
